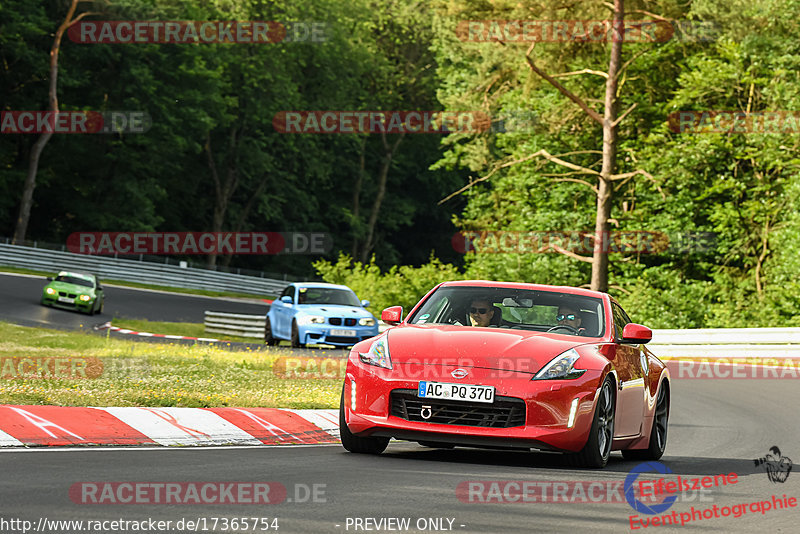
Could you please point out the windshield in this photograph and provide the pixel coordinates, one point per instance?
(325, 295)
(524, 309)
(74, 280)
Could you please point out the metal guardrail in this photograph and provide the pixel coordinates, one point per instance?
(235, 324)
(780, 343)
(137, 271)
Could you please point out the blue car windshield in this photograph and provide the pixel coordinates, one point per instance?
(324, 295)
(74, 280)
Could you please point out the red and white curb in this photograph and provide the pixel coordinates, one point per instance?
(109, 326)
(25, 426)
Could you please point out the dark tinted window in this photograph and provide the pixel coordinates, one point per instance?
(74, 280)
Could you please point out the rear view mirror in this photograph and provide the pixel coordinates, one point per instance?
(365, 303)
(49, 278)
(286, 299)
(393, 315)
(636, 333)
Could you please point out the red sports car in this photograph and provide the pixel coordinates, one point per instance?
(509, 365)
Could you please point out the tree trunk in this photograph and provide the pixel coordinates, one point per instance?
(383, 175)
(357, 196)
(223, 189)
(605, 191)
(21, 229)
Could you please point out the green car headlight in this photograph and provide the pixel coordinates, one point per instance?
(85, 298)
(50, 291)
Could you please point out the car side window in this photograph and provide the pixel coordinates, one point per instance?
(288, 292)
(620, 319)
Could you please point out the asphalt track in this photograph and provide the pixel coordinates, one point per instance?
(716, 427)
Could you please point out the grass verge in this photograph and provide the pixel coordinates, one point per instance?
(148, 374)
(178, 329)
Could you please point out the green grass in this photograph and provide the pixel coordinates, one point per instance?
(152, 374)
(168, 289)
(178, 329)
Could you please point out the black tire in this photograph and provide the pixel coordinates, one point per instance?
(357, 444)
(597, 450)
(658, 434)
(436, 445)
(268, 338)
(100, 309)
(296, 337)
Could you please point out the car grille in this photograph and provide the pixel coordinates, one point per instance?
(65, 294)
(337, 321)
(504, 412)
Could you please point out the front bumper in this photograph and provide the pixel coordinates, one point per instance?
(547, 406)
(80, 305)
(322, 334)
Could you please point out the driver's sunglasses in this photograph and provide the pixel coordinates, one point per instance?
(561, 317)
(481, 311)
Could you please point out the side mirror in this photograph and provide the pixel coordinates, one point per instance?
(636, 333)
(364, 303)
(286, 299)
(393, 315)
(49, 278)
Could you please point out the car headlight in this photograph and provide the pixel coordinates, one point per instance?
(85, 298)
(378, 354)
(311, 319)
(50, 291)
(561, 367)
(367, 321)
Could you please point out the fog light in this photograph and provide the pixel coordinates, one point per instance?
(572, 409)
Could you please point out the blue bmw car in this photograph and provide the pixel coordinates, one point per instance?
(310, 312)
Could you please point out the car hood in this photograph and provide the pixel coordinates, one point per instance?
(71, 288)
(333, 310)
(490, 348)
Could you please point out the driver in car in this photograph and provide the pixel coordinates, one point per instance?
(481, 312)
(568, 316)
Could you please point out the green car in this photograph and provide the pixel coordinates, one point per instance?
(75, 291)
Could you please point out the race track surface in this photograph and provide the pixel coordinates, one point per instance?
(717, 427)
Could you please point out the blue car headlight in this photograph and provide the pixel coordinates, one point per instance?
(367, 321)
(310, 319)
(561, 367)
(378, 354)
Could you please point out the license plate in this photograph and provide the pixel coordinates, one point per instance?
(66, 299)
(343, 333)
(459, 392)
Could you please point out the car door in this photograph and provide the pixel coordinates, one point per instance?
(631, 389)
(282, 313)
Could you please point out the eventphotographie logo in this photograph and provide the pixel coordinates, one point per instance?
(777, 466)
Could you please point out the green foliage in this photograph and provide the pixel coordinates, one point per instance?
(399, 286)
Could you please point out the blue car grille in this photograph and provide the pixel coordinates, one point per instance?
(504, 412)
(337, 321)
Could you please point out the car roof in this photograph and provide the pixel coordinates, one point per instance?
(520, 285)
(320, 285)
(85, 276)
